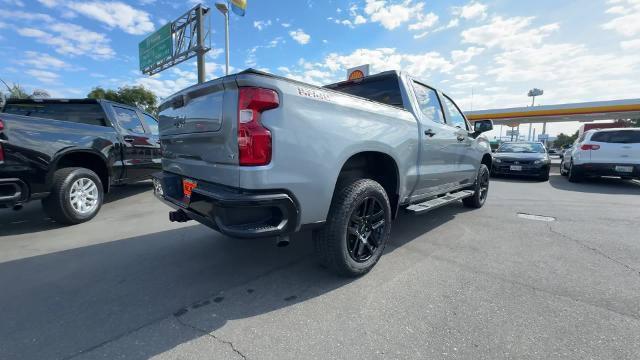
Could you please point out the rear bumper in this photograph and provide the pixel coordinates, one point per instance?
(527, 170)
(606, 169)
(13, 191)
(234, 212)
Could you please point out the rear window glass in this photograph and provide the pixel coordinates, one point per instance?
(381, 89)
(90, 114)
(618, 137)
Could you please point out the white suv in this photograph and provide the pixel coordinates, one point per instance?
(604, 152)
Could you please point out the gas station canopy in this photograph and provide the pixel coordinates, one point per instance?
(585, 112)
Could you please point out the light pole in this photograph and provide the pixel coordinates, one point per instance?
(532, 94)
(224, 9)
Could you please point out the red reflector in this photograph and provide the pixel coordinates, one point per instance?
(589, 147)
(254, 140)
(188, 186)
(1, 125)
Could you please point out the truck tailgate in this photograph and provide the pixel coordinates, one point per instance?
(198, 132)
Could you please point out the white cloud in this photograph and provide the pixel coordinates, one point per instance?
(43, 76)
(71, 39)
(425, 21)
(333, 67)
(630, 44)
(116, 15)
(261, 24)
(464, 56)
(43, 61)
(49, 3)
(391, 16)
(473, 10)
(355, 18)
(285, 25)
(26, 16)
(466, 77)
(17, 3)
(300, 36)
(508, 33)
(421, 35)
(628, 21)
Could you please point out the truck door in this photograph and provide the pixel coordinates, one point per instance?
(137, 143)
(151, 127)
(467, 159)
(438, 154)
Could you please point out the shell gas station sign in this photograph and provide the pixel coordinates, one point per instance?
(358, 72)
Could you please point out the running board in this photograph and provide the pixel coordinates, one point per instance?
(438, 202)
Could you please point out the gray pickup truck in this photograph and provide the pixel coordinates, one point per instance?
(257, 155)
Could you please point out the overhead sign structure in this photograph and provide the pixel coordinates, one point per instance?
(543, 137)
(176, 42)
(156, 47)
(358, 72)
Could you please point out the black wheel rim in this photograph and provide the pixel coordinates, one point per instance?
(366, 229)
(484, 185)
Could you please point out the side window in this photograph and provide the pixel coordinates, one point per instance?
(455, 116)
(128, 120)
(152, 123)
(428, 103)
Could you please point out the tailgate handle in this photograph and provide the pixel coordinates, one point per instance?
(129, 138)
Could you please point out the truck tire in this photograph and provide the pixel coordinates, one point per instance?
(76, 196)
(480, 189)
(357, 229)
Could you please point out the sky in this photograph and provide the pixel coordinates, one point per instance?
(484, 54)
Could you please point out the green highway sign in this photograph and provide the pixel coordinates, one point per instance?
(157, 47)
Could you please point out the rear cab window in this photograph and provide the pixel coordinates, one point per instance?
(428, 103)
(128, 120)
(152, 123)
(454, 115)
(383, 89)
(617, 137)
(83, 113)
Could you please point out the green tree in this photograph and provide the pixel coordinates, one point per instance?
(137, 96)
(564, 139)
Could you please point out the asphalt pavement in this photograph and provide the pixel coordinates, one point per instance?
(493, 283)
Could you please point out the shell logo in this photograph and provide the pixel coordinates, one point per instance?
(356, 74)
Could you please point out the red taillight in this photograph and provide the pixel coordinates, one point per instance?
(254, 140)
(1, 125)
(589, 147)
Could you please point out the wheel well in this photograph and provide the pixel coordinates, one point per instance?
(486, 159)
(86, 160)
(375, 166)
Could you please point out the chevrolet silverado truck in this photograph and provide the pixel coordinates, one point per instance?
(68, 153)
(257, 155)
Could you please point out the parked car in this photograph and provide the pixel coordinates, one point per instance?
(553, 151)
(255, 155)
(564, 149)
(604, 152)
(69, 152)
(522, 158)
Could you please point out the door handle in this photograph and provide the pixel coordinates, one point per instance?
(429, 133)
(129, 138)
(460, 138)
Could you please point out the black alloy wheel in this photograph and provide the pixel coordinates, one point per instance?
(366, 229)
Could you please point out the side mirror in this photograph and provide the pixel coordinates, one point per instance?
(482, 126)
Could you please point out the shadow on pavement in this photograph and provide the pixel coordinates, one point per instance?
(608, 185)
(31, 218)
(61, 304)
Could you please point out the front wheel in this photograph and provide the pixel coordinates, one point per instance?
(357, 229)
(480, 189)
(76, 196)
